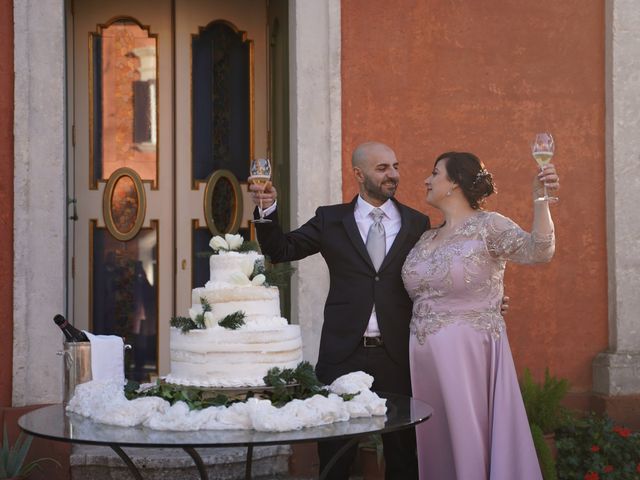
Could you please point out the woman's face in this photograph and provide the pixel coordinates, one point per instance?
(438, 184)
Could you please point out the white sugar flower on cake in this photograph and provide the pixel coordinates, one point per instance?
(248, 264)
(218, 243)
(239, 278)
(234, 241)
(228, 243)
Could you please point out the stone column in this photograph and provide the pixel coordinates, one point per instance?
(316, 143)
(39, 199)
(616, 372)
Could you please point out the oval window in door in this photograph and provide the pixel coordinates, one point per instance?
(223, 203)
(124, 204)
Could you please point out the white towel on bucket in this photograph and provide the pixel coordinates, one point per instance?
(107, 357)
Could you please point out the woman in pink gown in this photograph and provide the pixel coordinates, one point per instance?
(461, 363)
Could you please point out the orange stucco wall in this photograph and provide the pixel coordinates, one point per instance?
(6, 200)
(429, 76)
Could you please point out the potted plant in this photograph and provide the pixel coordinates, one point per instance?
(372, 457)
(595, 448)
(12, 457)
(543, 403)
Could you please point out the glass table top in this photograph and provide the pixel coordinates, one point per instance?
(54, 423)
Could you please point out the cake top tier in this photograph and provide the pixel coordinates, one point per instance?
(230, 266)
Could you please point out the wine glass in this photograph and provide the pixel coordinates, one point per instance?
(542, 150)
(260, 174)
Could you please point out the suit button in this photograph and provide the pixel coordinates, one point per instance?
(377, 278)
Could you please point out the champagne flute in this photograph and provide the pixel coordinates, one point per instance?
(542, 150)
(260, 174)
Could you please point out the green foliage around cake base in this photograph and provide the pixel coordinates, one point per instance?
(304, 381)
(195, 398)
(282, 386)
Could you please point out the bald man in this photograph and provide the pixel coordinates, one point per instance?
(367, 312)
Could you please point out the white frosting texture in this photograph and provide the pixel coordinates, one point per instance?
(104, 402)
(218, 357)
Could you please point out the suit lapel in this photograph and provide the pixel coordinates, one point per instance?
(349, 222)
(400, 238)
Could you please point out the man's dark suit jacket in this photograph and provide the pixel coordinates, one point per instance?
(355, 285)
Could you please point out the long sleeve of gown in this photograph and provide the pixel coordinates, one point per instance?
(506, 240)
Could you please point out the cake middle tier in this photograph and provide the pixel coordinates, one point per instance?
(254, 301)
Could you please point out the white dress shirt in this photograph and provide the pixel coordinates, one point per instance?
(392, 222)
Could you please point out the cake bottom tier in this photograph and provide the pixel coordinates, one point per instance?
(231, 358)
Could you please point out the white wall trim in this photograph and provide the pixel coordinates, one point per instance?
(39, 199)
(617, 371)
(316, 146)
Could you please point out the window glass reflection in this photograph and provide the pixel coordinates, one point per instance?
(124, 101)
(221, 103)
(124, 295)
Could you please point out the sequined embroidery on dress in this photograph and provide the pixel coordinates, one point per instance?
(461, 280)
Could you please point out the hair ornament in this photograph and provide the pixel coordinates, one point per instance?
(481, 175)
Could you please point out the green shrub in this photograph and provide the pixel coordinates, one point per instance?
(542, 401)
(545, 459)
(594, 448)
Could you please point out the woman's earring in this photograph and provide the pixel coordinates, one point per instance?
(448, 194)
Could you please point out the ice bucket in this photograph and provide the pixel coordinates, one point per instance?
(77, 366)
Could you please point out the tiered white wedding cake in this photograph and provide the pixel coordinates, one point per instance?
(234, 333)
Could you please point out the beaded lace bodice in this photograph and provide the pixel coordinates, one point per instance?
(461, 279)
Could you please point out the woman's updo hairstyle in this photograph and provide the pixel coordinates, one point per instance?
(468, 172)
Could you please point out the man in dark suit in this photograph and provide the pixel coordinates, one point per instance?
(367, 312)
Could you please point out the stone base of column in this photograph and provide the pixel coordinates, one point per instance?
(616, 373)
(616, 387)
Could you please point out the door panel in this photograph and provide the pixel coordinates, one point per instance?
(248, 19)
(122, 117)
(141, 206)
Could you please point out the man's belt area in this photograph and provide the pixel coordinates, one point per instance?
(370, 342)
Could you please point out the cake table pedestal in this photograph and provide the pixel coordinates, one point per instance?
(54, 423)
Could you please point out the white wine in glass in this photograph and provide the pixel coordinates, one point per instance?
(542, 150)
(260, 174)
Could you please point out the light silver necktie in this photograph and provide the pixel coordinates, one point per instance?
(376, 242)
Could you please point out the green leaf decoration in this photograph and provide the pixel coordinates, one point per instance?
(258, 268)
(278, 274)
(283, 385)
(304, 381)
(186, 323)
(195, 398)
(233, 321)
(206, 306)
(183, 323)
(248, 246)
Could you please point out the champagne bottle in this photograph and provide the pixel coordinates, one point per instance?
(71, 333)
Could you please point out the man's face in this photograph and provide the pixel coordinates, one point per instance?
(379, 176)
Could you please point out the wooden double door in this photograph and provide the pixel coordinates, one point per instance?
(168, 103)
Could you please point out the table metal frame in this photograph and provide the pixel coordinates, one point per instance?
(53, 423)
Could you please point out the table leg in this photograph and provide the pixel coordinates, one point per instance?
(247, 467)
(336, 456)
(125, 458)
(198, 461)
